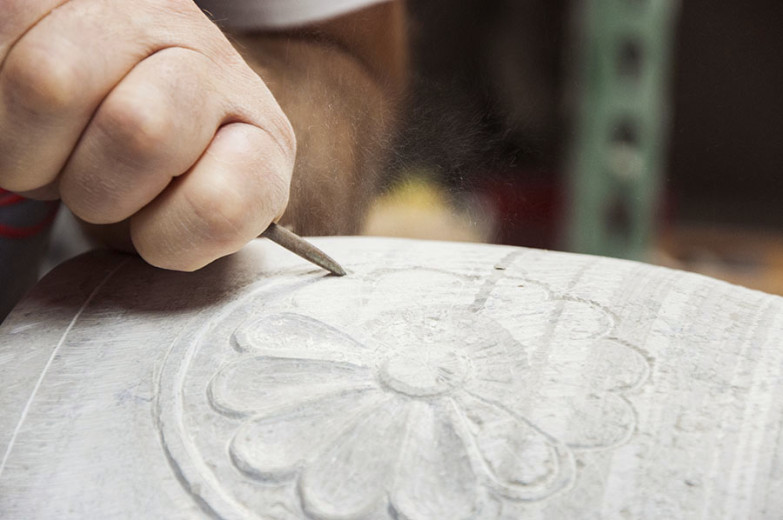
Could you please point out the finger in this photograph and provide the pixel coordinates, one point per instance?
(152, 127)
(55, 76)
(229, 197)
(49, 192)
(18, 17)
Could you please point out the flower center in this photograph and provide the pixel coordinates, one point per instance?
(423, 373)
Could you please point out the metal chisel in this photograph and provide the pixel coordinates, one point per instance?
(300, 246)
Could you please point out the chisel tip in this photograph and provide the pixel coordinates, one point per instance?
(303, 248)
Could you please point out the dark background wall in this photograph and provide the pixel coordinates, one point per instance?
(490, 102)
(726, 161)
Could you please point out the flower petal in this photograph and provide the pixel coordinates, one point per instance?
(607, 364)
(328, 298)
(349, 479)
(581, 418)
(260, 384)
(566, 320)
(401, 288)
(522, 462)
(272, 447)
(435, 477)
(554, 320)
(297, 336)
(517, 295)
(384, 291)
(443, 328)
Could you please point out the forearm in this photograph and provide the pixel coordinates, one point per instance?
(343, 108)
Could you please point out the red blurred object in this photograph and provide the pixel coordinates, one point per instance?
(12, 199)
(529, 208)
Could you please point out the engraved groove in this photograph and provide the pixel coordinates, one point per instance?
(50, 360)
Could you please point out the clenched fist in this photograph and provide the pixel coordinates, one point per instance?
(141, 110)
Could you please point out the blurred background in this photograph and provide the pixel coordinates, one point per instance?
(643, 129)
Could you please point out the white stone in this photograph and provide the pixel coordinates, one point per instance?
(435, 381)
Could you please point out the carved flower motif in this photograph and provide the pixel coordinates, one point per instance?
(439, 396)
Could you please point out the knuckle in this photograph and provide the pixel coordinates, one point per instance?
(147, 245)
(90, 205)
(139, 126)
(187, 13)
(185, 7)
(223, 214)
(41, 79)
(81, 210)
(278, 189)
(14, 180)
(284, 136)
(90, 197)
(161, 259)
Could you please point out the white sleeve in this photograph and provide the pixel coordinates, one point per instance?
(275, 14)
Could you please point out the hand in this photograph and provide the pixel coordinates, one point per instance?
(141, 110)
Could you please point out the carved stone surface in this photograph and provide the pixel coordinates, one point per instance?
(437, 380)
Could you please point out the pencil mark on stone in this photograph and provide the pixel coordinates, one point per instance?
(492, 279)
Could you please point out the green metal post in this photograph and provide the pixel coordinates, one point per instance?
(619, 143)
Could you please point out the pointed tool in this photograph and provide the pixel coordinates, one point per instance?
(299, 246)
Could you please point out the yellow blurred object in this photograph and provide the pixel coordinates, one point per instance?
(420, 208)
(416, 192)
